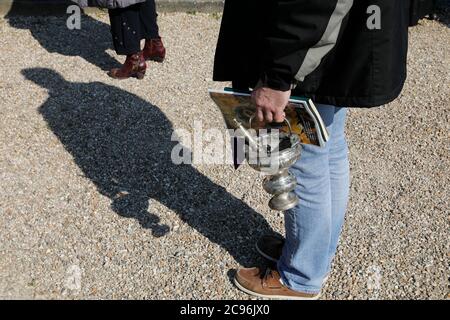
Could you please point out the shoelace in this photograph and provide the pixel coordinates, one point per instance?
(265, 278)
(268, 272)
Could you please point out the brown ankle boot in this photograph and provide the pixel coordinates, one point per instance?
(154, 50)
(135, 66)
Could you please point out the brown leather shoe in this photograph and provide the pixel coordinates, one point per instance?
(270, 247)
(267, 284)
(154, 50)
(135, 66)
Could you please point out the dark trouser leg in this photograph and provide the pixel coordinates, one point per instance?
(148, 17)
(126, 29)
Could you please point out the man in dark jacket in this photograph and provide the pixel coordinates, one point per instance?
(340, 53)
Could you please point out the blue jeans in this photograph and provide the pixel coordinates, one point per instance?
(313, 227)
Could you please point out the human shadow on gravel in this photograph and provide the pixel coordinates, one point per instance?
(122, 143)
(90, 42)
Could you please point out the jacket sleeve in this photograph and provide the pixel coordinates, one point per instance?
(300, 33)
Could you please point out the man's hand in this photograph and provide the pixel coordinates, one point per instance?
(270, 104)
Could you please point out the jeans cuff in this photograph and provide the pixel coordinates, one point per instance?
(294, 286)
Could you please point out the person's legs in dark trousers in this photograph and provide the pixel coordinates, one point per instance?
(126, 29)
(129, 26)
(126, 33)
(154, 48)
(149, 17)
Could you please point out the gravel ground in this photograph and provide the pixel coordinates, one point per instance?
(92, 207)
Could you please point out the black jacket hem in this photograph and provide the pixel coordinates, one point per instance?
(356, 102)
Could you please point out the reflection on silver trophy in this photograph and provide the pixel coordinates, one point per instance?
(273, 152)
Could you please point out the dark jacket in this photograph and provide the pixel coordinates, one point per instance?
(110, 4)
(325, 47)
(421, 8)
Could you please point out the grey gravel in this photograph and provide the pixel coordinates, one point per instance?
(91, 207)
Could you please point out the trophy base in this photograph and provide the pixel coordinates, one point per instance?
(284, 201)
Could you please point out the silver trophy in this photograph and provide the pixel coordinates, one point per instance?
(273, 152)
